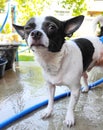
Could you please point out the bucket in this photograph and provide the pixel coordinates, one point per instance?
(8, 51)
(3, 63)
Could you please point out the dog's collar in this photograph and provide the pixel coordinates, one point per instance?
(101, 39)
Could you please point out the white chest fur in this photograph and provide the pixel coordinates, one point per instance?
(57, 66)
(50, 62)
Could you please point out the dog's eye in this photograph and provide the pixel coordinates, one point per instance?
(28, 28)
(52, 28)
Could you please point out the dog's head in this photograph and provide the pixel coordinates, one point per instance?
(101, 32)
(48, 31)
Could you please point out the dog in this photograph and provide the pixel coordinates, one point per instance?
(64, 62)
(98, 21)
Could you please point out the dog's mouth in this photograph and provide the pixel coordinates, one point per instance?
(33, 44)
(41, 41)
(36, 44)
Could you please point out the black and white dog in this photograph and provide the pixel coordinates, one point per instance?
(98, 21)
(63, 62)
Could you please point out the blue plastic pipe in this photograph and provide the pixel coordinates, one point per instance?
(6, 17)
(41, 104)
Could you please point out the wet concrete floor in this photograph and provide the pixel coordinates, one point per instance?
(25, 87)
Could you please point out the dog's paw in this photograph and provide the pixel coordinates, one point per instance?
(69, 120)
(85, 89)
(46, 114)
(69, 123)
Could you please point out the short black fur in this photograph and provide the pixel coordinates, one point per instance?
(56, 37)
(87, 50)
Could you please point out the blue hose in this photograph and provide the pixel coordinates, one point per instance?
(101, 39)
(1, 28)
(41, 104)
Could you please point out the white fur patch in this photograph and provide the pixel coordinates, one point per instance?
(44, 39)
(39, 21)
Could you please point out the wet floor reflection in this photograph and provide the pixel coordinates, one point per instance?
(26, 87)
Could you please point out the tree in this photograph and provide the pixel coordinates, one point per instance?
(76, 7)
(2, 5)
(29, 8)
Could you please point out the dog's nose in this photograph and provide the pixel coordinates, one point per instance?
(36, 34)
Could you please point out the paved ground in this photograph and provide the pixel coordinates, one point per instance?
(25, 87)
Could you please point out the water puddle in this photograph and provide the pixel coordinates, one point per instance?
(26, 87)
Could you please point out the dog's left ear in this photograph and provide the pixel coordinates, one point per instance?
(20, 30)
(72, 25)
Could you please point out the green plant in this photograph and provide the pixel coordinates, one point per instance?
(2, 5)
(29, 8)
(7, 28)
(76, 7)
(26, 57)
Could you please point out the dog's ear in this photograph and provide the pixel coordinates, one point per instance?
(72, 25)
(20, 30)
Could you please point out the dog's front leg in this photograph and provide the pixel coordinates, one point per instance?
(49, 109)
(69, 119)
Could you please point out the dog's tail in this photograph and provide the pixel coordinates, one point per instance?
(98, 25)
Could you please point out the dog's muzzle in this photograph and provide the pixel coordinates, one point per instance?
(36, 35)
(35, 38)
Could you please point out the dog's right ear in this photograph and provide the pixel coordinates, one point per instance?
(20, 30)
